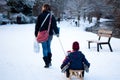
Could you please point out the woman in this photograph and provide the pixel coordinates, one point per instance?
(53, 29)
(76, 59)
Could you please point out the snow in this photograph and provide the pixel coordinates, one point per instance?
(18, 61)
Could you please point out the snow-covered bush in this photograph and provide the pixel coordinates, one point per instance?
(22, 19)
(3, 19)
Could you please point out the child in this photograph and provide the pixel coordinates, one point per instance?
(76, 59)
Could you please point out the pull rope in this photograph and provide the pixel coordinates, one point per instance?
(62, 46)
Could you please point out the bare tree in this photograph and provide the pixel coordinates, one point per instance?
(57, 5)
(116, 11)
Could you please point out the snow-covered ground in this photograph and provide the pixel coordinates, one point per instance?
(18, 61)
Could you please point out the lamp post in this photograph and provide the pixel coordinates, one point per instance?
(78, 18)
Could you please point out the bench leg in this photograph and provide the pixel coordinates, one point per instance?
(100, 46)
(110, 47)
(97, 47)
(88, 44)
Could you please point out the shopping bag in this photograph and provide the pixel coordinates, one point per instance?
(36, 47)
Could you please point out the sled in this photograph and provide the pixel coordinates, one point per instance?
(76, 74)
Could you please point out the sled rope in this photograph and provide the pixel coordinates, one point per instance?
(62, 46)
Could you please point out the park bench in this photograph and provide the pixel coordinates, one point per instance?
(76, 73)
(102, 34)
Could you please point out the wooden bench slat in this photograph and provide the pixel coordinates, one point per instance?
(105, 35)
(105, 31)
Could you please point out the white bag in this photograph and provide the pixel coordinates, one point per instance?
(36, 47)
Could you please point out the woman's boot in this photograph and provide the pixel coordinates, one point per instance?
(46, 60)
(50, 59)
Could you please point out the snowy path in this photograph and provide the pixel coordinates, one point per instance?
(19, 62)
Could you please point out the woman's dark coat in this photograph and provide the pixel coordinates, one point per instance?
(40, 19)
